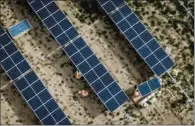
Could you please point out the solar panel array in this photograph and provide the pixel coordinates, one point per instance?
(28, 83)
(99, 79)
(149, 86)
(137, 35)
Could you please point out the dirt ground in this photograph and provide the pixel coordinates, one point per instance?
(123, 62)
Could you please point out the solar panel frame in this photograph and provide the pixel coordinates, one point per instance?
(73, 55)
(149, 86)
(117, 9)
(27, 91)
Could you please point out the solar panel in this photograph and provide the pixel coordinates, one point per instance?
(19, 28)
(138, 36)
(149, 86)
(80, 54)
(28, 84)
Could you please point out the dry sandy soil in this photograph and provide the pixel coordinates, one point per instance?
(57, 71)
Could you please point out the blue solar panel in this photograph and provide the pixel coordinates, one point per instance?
(149, 86)
(82, 56)
(116, 17)
(28, 84)
(19, 28)
(62, 39)
(58, 16)
(137, 34)
(84, 67)
(125, 11)
(123, 25)
(109, 7)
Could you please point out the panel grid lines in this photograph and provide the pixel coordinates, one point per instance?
(99, 78)
(159, 67)
(28, 92)
(82, 56)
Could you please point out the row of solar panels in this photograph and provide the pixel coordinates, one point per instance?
(28, 84)
(137, 35)
(94, 72)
